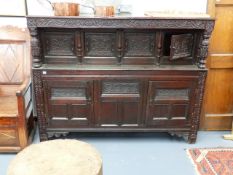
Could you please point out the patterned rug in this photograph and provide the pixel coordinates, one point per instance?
(216, 161)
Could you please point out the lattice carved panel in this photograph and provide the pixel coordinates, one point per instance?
(11, 63)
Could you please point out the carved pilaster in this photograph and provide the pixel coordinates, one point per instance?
(35, 47)
(80, 45)
(37, 82)
(120, 45)
(204, 43)
(159, 47)
(195, 116)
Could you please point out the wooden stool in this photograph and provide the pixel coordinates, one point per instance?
(57, 157)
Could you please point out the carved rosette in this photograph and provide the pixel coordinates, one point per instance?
(195, 116)
(35, 47)
(37, 83)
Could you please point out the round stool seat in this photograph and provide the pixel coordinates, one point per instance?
(57, 157)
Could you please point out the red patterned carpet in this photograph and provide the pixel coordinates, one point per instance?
(216, 161)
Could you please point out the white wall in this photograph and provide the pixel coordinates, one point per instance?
(198, 6)
(139, 6)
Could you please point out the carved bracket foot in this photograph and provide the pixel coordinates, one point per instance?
(43, 137)
(56, 134)
(183, 135)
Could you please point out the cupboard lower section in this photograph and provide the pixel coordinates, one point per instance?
(118, 101)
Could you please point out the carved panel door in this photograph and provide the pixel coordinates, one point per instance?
(169, 103)
(69, 103)
(119, 103)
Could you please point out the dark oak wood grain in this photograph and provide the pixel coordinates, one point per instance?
(119, 74)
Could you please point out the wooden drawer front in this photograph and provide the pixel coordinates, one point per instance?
(170, 102)
(59, 47)
(69, 103)
(8, 137)
(119, 103)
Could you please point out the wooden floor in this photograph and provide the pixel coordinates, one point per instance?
(140, 153)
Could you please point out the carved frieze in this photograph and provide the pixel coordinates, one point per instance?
(118, 23)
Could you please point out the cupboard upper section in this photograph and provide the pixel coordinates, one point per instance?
(126, 41)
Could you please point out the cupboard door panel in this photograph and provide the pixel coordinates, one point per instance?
(108, 114)
(170, 102)
(131, 114)
(69, 103)
(119, 103)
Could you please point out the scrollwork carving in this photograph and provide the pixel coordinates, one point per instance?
(119, 23)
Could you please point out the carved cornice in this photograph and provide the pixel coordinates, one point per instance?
(149, 23)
